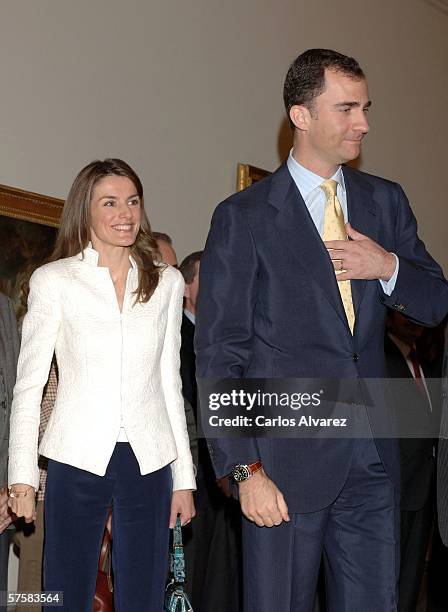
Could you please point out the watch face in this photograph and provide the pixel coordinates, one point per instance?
(241, 473)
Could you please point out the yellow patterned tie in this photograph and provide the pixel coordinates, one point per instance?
(334, 229)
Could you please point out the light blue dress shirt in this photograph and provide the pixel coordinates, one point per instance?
(308, 184)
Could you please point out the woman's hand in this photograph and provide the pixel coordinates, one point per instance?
(182, 503)
(22, 502)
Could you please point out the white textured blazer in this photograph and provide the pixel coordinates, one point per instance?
(115, 370)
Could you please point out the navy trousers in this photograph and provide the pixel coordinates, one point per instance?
(357, 536)
(76, 507)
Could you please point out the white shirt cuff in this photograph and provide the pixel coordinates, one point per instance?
(389, 286)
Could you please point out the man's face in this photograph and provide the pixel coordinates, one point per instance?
(192, 290)
(333, 130)
(167, 253)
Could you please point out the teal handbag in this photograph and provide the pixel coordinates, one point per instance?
(176, 599)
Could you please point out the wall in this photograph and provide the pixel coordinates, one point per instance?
(184, 90)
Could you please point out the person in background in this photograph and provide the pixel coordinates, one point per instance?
(29, 537)
(9, 351)
(117, 434)
(442, 464)
(415, 396)
(213, 548)
(437, 589)
(189, 268)
(168, 256)
(165, 248)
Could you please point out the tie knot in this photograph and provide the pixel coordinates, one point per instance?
(329, 187)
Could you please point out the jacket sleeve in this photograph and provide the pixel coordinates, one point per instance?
(224, 326)
(421, 291)
(9, 343)
(182, 467)
(39, 332)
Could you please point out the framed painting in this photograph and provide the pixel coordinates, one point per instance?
(246, 175)
(28, 223)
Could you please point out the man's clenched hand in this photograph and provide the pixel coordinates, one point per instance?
(261, 501)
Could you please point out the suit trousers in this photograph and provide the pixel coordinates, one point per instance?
(76, 507)
(212, 546)
(415, 533)
(357, 535)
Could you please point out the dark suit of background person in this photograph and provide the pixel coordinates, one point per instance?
(437, 587)
(168, 255)
(213, 540)
(270, 307)
(417, 458)
(442, 461)
(9, 351)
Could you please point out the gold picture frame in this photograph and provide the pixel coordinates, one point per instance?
(247, 175)
(28, 223)
(29, 206)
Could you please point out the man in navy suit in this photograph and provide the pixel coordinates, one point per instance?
(278, 302)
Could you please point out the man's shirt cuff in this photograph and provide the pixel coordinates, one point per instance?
(389, 286)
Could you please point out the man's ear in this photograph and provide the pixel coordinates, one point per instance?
(300, 116)
(186, 291)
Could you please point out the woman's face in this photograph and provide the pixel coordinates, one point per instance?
(115, 213)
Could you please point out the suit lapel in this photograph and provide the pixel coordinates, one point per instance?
(302, 238)
(364, 218)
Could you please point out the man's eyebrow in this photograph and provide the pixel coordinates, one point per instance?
(352, 104)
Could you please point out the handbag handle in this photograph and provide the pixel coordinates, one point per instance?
(177, 554)
(105, 561)
(105, 545)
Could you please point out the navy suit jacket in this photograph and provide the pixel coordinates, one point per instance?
(269, 307)
(188, 363)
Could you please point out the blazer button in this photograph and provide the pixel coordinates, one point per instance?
(355, 357)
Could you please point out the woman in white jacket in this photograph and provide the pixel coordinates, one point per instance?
(117, 434)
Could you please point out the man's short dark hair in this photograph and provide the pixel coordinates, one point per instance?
(188, 267)
(162, 237)
(305, 79)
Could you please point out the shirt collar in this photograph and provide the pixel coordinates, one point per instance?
(190, 316)
(90, 256)
(308, 181)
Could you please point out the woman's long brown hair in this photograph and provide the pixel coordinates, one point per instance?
(74, 230)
